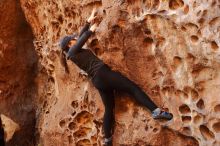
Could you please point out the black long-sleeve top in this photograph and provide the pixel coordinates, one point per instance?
(84, 58)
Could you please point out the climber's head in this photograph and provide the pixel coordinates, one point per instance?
(68, 41)
(72, 43)
(65, 43)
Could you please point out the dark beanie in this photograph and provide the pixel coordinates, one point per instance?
(65, 40)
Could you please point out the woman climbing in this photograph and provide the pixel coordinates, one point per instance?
(103, 78)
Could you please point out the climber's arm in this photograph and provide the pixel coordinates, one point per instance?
(88, 22)
(85, 28)
(81, 41)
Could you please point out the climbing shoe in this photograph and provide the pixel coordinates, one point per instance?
(108, 141)
(159, 114)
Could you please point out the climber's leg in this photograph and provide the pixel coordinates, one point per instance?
(116, 80)
(108, 120)
(120, 82)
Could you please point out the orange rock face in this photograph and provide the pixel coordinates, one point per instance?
(170, 48)
(18, 67)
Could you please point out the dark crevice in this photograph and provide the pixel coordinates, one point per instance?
(21, 61)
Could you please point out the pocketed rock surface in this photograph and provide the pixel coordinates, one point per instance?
(170, 48)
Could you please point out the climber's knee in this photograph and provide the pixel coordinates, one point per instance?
(135, 91)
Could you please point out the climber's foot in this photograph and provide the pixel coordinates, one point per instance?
(160, 114)
(108, 141)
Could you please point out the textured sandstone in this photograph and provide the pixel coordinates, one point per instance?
(172, 53)
(169, 47)
(17, 71)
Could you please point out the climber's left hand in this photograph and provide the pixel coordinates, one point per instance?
(94, 27)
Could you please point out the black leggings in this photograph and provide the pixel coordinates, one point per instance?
(106, 81)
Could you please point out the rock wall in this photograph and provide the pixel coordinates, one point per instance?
(168, 47)
(18, 68)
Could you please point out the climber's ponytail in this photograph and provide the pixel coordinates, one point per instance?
(63, 44)
(63, 61)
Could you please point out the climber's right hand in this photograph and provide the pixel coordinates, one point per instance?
(92, 16)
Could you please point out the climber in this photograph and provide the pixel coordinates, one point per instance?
(2, 137)
(103, 78)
